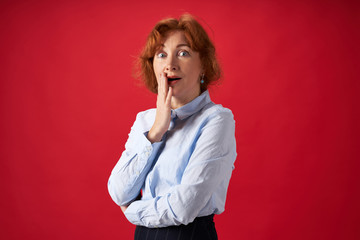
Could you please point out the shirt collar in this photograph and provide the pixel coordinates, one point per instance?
(192, 107)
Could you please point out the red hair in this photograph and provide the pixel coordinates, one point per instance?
(196, 37)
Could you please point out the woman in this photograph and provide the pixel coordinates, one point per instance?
(180, 156)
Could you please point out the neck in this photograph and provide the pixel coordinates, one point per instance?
(177, 102)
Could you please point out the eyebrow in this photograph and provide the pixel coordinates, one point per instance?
(183, 45)
(179, 45)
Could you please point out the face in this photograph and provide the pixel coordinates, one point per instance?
(181, 65)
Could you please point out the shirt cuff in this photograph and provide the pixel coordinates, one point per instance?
(152, 146)
(131, 213)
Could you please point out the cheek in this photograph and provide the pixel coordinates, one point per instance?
(193, 69)
(157, 69)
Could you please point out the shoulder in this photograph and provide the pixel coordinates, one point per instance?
(217, 130)
(216, 112)
(150, 113)
(145, 119)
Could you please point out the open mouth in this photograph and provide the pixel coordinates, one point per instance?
(170, 79)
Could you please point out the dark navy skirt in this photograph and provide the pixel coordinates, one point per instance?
(202, 228)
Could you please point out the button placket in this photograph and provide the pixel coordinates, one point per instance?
(148, 151)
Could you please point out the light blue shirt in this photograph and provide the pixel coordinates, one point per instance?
(184, 176)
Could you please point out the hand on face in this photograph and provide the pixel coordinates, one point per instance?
(163, 110)
(182, 65)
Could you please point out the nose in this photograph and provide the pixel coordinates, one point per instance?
(171, 64)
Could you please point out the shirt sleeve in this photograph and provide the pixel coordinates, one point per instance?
(129, 173)
(209, 169)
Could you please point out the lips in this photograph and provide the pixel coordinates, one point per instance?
(173, 78)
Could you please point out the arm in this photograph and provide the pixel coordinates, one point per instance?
(208, 172)
(130, 172)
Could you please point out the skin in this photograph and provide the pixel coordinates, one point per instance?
(174, 58)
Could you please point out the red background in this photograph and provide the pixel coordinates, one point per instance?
(68, 99)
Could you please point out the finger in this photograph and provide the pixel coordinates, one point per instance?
(161, 91)
(159, 82)
(164, 85)
(168, 97)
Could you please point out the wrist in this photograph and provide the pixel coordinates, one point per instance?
(154, 136)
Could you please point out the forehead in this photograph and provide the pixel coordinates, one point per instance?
(174, 37)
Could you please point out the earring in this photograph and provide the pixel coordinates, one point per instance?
(202, 78)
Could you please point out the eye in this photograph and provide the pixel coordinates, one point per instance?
(161, 55)
(183, 53)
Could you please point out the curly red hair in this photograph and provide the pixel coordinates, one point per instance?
(196, 37)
